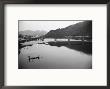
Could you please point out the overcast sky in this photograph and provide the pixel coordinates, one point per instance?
(44, 25)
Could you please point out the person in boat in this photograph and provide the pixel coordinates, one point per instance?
(33, 58)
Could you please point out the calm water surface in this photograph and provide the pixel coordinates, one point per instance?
(53, 57)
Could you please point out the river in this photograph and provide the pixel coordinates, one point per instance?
(54, 57)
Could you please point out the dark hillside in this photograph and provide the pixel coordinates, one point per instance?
(79, 29)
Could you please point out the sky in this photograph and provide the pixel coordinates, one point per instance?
(44, 25)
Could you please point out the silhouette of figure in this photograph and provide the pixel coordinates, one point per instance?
(29, 58)
(33, 58)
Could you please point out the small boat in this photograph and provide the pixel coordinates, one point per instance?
(32, 58)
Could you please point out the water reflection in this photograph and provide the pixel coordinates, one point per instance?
(87, 48)
(55, 56)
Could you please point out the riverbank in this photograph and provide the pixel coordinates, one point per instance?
(69, 43)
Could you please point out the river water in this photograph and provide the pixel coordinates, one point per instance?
(54, 57)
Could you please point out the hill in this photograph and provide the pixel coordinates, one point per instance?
(78, 29)
(32, 33)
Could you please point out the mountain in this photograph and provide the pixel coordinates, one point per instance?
(33, 33)
(78, 29)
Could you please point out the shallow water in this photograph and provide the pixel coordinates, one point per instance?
(53, 57)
